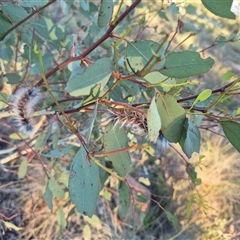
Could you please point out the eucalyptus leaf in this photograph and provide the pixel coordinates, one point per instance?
(115, 138)
(55, 188)
(139, 52)
(124, 198)
(156, 78)
(35, 3)
(172, 117)
(185, 64)
(232, 132)
(84, 184)
(105, 13)
(22, 170)
(153, 121)
(48, 197)
(204, 95)
(4, 24)
(219, 8)
(61, 218)
(97, 74)
(172, 219)
(13, 78)
(14, 12)
(190, 138)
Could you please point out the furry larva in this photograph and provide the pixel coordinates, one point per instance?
(136, 121)
(23, 103)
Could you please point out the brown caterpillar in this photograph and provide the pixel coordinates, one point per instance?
(23, 103)
(136, 121)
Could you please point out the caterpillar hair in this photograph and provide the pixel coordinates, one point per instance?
(136, 121)
(23, 103)
(133, 120)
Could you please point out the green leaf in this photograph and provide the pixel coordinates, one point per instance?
(139, 52)
(232, 132)
(190, 138)
(4, 24)
(29, 3)
(97, 74)
(153, 121)
(124, 198)
(84, 185)
(221, 41)
(204, 95)
(6, 53)
(54, 187)
(105, 13)
(186, 64)
(156, 78)
(41, 140)
(115, 138)
(172, 219)
(11, 226)
(3, 97)
(14, 12)
(219, 7)
(193, 174)
(48, 197)
(13, 78)
(61, 219)
(172, 117)
(22, 170)
(57, 153)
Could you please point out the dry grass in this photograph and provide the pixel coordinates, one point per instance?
(215, 208)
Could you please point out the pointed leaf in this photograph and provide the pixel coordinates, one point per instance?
(36, 3)
(219, 7)
(84, 185)
(186, 64)
(48, 197)
(22, 171)
(105, 13)
(54, 187)
(190, 138)
(173, 219)
(14, 12)
(115, 138)
(61, 219)
(97, 74)
(139, 52)
(204, 95)
(232, 132)
(153, 121)
(13, 78)
(166, 83)
(124, 198)
(172, 117)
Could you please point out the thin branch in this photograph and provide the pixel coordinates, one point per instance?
(220, 89)
(95, 45)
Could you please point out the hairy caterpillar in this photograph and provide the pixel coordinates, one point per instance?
(136, 121)
(23, 103)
